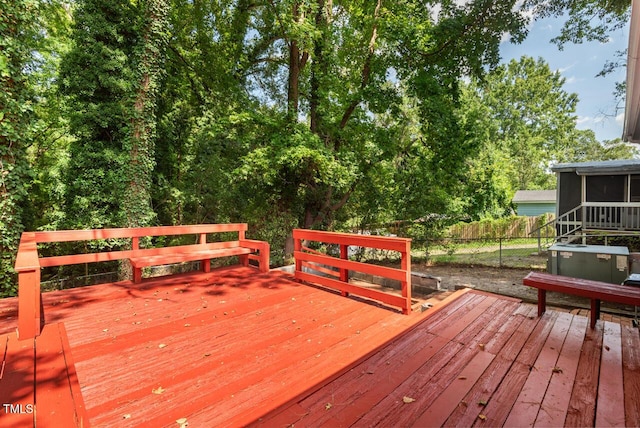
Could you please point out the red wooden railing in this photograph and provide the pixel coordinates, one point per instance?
(29, 263)
(337, 269)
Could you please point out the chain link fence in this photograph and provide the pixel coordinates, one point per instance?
(494, 252)
(513, 252)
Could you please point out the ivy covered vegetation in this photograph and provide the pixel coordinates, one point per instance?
(280, 113)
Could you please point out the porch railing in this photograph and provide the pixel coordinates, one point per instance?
(619, 216)
(611, 215)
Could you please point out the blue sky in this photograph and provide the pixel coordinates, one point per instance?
(579, 65)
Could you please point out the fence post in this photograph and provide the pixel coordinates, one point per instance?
(426, 251)
(500, 262)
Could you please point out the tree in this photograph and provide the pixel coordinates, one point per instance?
(588, 20)
(587, 148)
(338, 56)
(97, 79)
(534, 119)
(111, 77)
(18, 40)
(140, 141)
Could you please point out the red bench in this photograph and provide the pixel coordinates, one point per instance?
(28, 263)
(596, 291)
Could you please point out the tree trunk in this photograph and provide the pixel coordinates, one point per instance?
(137, 200)
(293, 90)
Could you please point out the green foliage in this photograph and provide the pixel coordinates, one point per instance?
(531, 120)
(18, 38)
(140, 141)
(588, 20)
(97, 78)
(284, 113)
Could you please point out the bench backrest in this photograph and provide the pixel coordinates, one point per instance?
(27, 258)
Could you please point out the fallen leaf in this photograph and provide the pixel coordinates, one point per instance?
(606, 347)
(408, 400)
(557, 370)
(182, 422)
(482, 417)
(481, 345)
(127, 416)
(482, 402)
(462, 378)
(159, 390)
(162, 345)
(328, 406)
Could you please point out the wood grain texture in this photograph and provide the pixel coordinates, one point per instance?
(235, 347)
(610, 407)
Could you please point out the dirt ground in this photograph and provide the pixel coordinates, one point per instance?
(507, 282)
(497, 280)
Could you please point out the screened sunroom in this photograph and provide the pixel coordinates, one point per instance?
(598, 196)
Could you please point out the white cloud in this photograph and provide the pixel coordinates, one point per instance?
(567, 68)
(584, 119)
(570, 80)
(620, 118)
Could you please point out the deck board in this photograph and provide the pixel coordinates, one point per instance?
(469, 409)
(555, 405)
(16, 377)
(631, 365)
(610, 408)
(237, 348)
(581, 410)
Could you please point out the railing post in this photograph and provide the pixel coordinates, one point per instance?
(27, 265)
(29, 304)
(344, 273)
(406, 284)
(297, 246)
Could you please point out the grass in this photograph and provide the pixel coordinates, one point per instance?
(517, 254)
(525, 258)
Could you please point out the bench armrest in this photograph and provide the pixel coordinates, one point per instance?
(255, 244)
(262, 258)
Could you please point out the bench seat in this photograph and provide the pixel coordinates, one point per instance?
(188, 253)
(595, 291)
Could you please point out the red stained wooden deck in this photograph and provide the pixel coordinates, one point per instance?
(235, 347)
